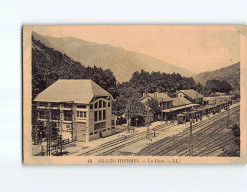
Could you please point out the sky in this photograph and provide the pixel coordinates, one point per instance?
(196, 48)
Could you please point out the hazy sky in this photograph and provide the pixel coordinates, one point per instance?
(197, 48)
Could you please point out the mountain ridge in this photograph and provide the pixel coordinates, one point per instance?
(231, 74)
(123, 63)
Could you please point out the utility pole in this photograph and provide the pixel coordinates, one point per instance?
(128, 120)
(214, 105)
(147, 107)
(48, 132)
(185, 118)
(228, 117)
(191, 138)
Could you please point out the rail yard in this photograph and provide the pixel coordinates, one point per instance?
(210, 136)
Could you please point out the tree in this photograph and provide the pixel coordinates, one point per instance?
(165, 82)
(225, 87)
(119, 105)
(49, 65)
(134, 108)
(214, 85)
(154, 105)
(199, 88)
(37, 131)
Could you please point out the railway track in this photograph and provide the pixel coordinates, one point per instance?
(119, 147)
(175, 145)
(114, 145)
(118, 143)
(171, 143)
(213, 138)
(208, 134)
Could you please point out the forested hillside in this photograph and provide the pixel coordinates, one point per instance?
(49, 65)
(122, 63)
(231, 74)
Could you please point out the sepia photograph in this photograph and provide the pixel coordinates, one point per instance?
(133, 94)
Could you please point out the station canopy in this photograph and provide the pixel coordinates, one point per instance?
(179, 108)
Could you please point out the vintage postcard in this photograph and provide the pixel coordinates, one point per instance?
(134, 94)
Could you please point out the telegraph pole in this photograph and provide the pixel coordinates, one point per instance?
(148, 123)
(228, 116)
(185, 115)
(129, 121)
(48, 132)
(147, 107)
(191, 138)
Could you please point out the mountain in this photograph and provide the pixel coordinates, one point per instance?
(49, 65)
(231, 74)
(121, 62)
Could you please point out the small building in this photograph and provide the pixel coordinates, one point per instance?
(81, 109)
(191, 95)
(163, 99)
(165, 102)
(179, 105)
(218, 99)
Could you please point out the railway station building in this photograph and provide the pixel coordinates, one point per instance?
(81, 109)
(179, 105)
(191, 95)
(163, 99)
(170, 107)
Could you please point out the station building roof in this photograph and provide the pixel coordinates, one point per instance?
(179, 101)
(179, 108)
(160, 97)
(191, 93)
(68, 90)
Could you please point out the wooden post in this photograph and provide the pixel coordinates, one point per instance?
(191, 138)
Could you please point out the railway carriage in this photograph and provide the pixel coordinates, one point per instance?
(193, 115)
(181, 118)
(197, 114)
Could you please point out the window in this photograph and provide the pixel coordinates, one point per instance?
(96, 105)
(109, 104)
(67, 106)
(95, 115)
(104, 104)
(100, 104)
(42, 104)
(91, 106)
(99, 126)
(54, 104)
(100, 115)
(67, 115)
(104, 114)
(55, 114)
(68, 126)
(91, 133)
(81, 114)
(81, 106)
(42, 114)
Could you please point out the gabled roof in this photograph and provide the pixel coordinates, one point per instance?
(179, 101)
(68, 90)
(191, 93)
(160, 97)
